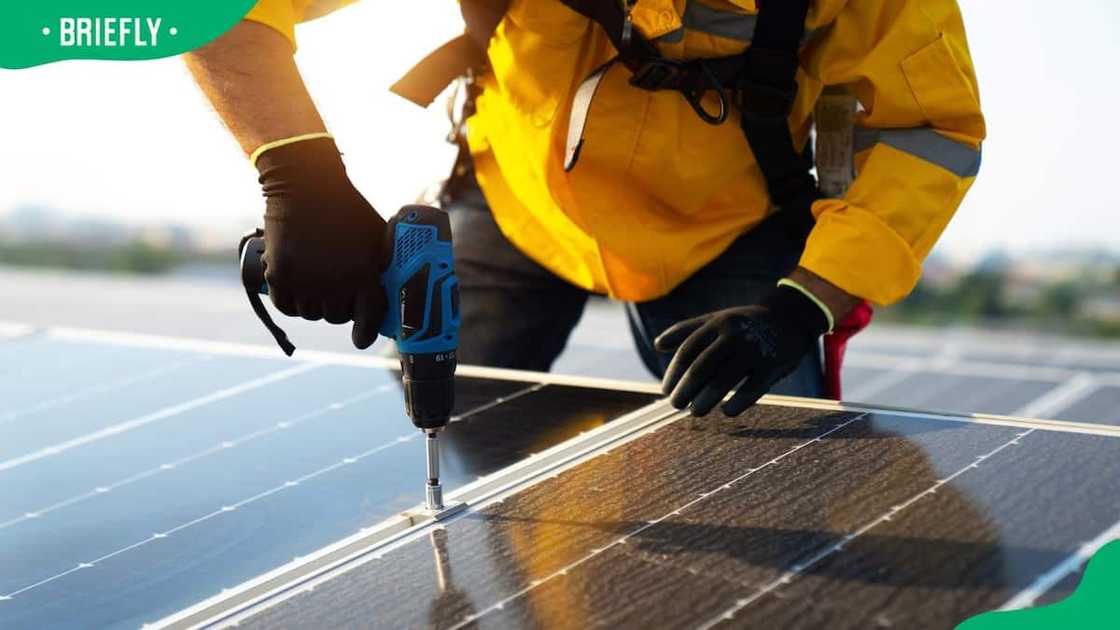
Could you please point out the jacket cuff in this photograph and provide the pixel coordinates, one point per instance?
(280, 15)
(855, 250)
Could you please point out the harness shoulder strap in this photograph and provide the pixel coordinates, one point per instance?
(766, 92)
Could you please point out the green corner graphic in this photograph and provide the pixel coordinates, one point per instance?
(1095, 603)
(35, 32)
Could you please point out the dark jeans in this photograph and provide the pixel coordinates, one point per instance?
(517, 314)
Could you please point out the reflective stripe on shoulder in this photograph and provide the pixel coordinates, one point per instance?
(926, 144)
(732, 25)
(700, 17)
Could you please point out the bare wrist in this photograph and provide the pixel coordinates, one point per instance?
(838, 301)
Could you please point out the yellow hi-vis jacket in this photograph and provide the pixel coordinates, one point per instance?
(658, 193)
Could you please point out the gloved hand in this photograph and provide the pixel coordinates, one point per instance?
(324, 243)
(746, 348)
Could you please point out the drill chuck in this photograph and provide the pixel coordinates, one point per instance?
(429, 388)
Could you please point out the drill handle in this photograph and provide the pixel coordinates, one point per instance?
(421, 287)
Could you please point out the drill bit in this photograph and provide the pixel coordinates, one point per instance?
(433, 496)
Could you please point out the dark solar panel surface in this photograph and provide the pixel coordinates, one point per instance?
(962, 393)
(1103, 405)
(782, 518)
(857, 380)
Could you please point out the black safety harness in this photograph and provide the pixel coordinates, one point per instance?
(760, 83)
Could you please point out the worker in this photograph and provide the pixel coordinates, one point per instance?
(655, 151)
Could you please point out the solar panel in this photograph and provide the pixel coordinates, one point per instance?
(980, 345)
(787, 516)
(962, 393)
(1066, 385)
(139, 478)
(142, 476)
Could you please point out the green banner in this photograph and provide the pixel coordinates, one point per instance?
(34, 32)
(1094, 605)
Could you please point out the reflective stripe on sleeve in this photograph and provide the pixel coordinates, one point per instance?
(704, 19)
(926, 144)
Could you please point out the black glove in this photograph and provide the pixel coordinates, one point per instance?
(747, 348)
(324, 243)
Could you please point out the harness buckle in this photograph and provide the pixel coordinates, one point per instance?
(693, 79)
(658, 73)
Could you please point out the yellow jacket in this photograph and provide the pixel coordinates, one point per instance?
(658, 193)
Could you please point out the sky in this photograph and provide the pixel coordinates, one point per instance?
(136, 141)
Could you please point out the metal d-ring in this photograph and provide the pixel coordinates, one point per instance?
(695, 98)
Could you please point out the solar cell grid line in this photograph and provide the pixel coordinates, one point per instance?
(166, 412)
(101, 388)
(797, 569)
(281, 425)
(225, 509)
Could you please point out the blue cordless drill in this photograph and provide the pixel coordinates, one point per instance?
(423, 317)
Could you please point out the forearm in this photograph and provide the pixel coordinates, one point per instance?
(251, 79)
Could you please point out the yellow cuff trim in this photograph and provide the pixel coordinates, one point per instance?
(786, 282)
(255, 155)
